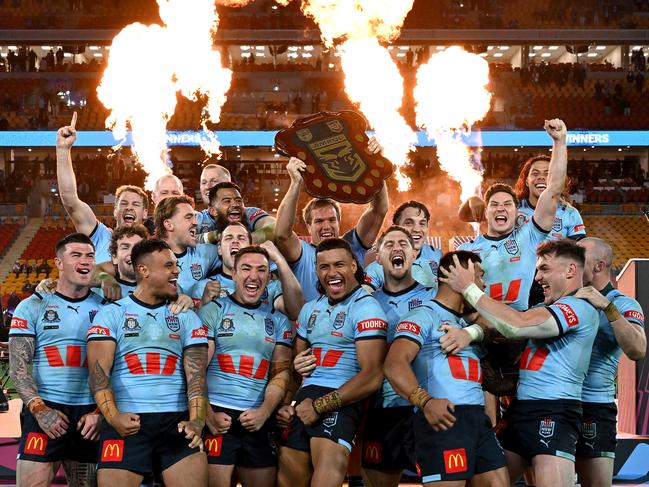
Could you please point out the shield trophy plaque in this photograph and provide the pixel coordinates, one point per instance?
(338, 164)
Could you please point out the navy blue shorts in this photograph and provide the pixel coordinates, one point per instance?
(598, 437)
(388, 439)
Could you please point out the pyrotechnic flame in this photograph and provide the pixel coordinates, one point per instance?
(450, 97)
(148, 65)
(372, 78)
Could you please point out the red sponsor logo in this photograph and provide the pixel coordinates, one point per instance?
(287, 335)
(99, 330)
(199, 332)
(174, 336)
(579, 228)
(256, 214)
(372, 452)
(409, 326)
(18, 323)
(569, 314)
(636, 315)
(455, 461)
(372, 324)
(213, 445)
(197, 302)
(112, 451)
(36, 443)
(515, 259)
(269, 339)
(336, 334)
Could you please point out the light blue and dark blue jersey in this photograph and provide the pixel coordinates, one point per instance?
(396, 306)
(509, 263)
(331, 329)
(245, 338)
(424, 269)
(599, 385)
(147, 374)
(195, 264)
(272, 292)
(59, 326)
(458, 377)
(206, 223)
(101, 237)
(555, 368)
(304, 266)
(567, 222)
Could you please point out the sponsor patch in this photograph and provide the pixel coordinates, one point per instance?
(99, 330)
(569, 314)
(372, 324)
(112, 451)
(410, 327)
(174, 336)
(226, 326)
(131, 324)
(199, 332)
(546, 428)
(257, 213)
(579, 228)
(36, 443)
(287, 335)
(18, 323)
(51, 316)
(372, 452)
(455, 461)
(213, 445)
(636, 315)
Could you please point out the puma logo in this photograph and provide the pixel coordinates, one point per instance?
(252, 317)
(545, 442)
(590, 445)
(76, 310)
(153, 315)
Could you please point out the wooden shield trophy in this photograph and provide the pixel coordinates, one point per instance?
(338, 163)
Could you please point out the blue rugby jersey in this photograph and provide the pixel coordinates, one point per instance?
(509, 263)
(567, 222)
(147, 374)
(458, 377)
(101, 237)
(331, 330)
(271, 294)
(424, 269)
(599, 385)
(208, 224)
(245, 338)
(59, 326)
(395, 306)
(196, 263)
(555, 368)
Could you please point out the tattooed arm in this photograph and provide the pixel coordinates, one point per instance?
(101, 354)
(195, 363)
(21, 354)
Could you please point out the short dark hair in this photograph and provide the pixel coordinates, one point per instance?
(564, 247)
(464, 256)
(144, 248)
(222, 185)
(72, 238)
(126, 231)
(167, 209)
(500, 188)
(395, 228)
(251, 249)
(236, 224)
(410, 204)
(317, 203)
(339, 243)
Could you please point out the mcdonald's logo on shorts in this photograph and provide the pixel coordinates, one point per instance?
(213, 445)
(455, 460)
(112, 451)
(372, 452)
(36, 443)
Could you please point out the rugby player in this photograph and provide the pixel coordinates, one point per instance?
(453, 436)
(147, 368)
(48, 332)
(131, 202)
(543, 422)
(247, 377)
(345, 329)
(322, 218)
(621, 323)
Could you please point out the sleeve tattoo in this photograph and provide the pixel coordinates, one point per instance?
(195, 363)
(98, 379)
(21, 355)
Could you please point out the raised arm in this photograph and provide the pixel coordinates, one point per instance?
(472, 210)
(21, 354)
(285, 238)
(546, 207)
(370, 222)
(82, 216)
(195, 365)
(292, 299)
(264, 229)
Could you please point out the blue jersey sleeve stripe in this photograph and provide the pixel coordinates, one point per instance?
(406, 337)
(577, 236)
(13, 335)
(538, 227)
(557, 321)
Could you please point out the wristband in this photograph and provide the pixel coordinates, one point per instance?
(611, 312)
(198, 409)
(419, 397)
(328, 402)
(472, 294)
(476, 332)
(36, 405)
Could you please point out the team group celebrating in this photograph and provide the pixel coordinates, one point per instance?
(213, 347)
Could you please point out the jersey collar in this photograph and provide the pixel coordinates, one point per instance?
(336, 301)
(402, 292)
(607, 289)
(147, 305)
(243, 305)
(72, 300)
(452, 311)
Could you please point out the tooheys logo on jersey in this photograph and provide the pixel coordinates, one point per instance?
(99, 330)
(18, 323)
(200, 332)
(372, 324)
(408, 326)
(256, 214)
(569, 314)
(633, 314)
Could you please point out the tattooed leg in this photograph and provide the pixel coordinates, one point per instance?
(35, 474)
(80, 474)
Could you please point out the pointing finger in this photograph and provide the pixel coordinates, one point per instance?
(73, 124)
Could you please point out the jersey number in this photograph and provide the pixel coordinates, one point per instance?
(537, 359)
(330, 358)
(72, 356)
(152, 364)
(496, 291)
(246, 363)
(459, 372)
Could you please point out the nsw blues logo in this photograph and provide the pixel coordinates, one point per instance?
(269, 326)
(511, 246)
(546, 428)
(589, 430)
(197, 271)
(339, 321)
(172, 323)
(557, 225)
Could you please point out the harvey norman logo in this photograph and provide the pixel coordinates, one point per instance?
(587, 138)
